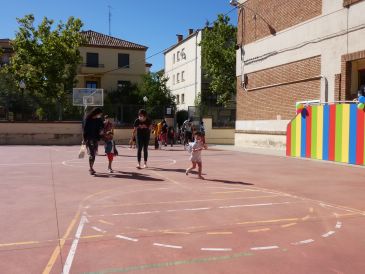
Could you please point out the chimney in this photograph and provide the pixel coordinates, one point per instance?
(191, 31)
(180, 37)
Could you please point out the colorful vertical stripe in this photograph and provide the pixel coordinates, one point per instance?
(314, 132)
(360, 137)
(332, 132)
(328, 132)
(288, 140)
(303, 134)
(298, 136)
(338, 140)
(309, 133)
(320, 132)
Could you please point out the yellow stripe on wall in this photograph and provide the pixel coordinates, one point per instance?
(345, 133)
(320, 133)
(298, 123)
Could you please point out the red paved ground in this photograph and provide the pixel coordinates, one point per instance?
(252, 214)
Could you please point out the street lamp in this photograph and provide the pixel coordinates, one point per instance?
(145, 99)
(22, 87)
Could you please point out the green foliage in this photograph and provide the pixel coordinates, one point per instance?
(153, 86)
(46, 58)
(219, 58)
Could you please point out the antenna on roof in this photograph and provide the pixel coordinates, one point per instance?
(110, 19)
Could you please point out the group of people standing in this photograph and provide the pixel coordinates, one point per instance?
(95, 128)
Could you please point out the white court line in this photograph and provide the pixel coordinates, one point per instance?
(329, 233)
(249, 205)
(168, 246)
(126, 238)
(98, 229)
(197, 209)
(72, 252)
(304, 242)
(135, 213)
(265, 247)
(338, 225)
(81, 164)
(23, 164)
(215, 249)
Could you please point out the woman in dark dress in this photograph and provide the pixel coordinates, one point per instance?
(92, 133)
(142, 129)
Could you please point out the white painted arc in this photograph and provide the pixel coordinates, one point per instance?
(168, 246)
(215, 249)
(265, 247)
(329, 233)
(126, 238)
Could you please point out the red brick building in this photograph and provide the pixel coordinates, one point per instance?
(292, 51)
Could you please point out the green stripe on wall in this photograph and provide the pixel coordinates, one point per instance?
(314, 132)
(293, 138)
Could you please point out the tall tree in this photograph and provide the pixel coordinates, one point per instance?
(153, 87)
(46, 58)
(219, 58)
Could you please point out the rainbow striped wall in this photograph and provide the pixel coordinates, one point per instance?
(328, 132)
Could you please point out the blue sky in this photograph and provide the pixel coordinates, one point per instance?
(153, 23)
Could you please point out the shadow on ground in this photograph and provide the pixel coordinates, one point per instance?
(128, 175)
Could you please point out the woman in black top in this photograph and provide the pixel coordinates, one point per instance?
(93, 130)
(142, 128)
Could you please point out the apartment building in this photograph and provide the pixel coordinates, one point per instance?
(110, 62)
(292, 51)
(184, 70)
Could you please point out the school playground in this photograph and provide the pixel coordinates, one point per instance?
(252, 213)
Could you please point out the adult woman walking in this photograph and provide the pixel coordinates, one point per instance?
(142, 129)
(92, 133)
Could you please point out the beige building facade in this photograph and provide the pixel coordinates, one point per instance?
(110, 62)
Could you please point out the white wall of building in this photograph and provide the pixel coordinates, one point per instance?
(337, 31)
(188, 86)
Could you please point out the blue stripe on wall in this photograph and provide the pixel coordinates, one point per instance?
(303, 141)
(326, 131)
(353, 129)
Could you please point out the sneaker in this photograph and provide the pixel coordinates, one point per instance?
(201, 177)
(138, 166)
(92, 171)
(145, 166)
(187, 172)
(110, 170)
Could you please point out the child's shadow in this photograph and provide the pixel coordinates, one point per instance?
(128, 175)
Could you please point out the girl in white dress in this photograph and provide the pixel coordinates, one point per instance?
(195, 149)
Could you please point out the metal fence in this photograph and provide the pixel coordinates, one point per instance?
(222, 117)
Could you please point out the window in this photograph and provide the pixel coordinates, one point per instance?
(123, 84)
(92, 59)
(173, 79)
(123, 60)
(91, 84)
(183, 98)
(361, 78)
(178, 56)
(178, 99)
(183, 55)
(173, 58)
(178, 78)
(182, 76)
